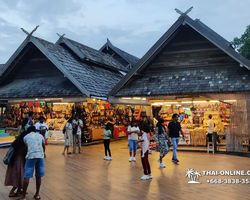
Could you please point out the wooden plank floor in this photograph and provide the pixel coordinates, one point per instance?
(88, 176)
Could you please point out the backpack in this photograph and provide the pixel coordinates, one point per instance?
(64, 129)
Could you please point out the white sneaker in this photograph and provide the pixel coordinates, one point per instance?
(150, 176)
(105, 158)
(134, 160)
(162, 165)
(158, 161)
(145, 177)
(130, 159)
(109, 158)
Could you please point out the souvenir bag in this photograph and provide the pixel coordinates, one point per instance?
(134, 136)
(9, 155)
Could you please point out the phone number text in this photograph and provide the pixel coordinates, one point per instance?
(228, 181)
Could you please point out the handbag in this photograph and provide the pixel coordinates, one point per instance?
(78, 132)
(9, 155)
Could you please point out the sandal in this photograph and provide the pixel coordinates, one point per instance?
(14, 195)
(38, 197)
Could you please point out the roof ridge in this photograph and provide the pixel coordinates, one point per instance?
(86, 46)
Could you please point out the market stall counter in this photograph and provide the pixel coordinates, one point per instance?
(96, 133)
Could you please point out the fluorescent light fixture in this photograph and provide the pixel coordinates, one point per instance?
(137, 98)
(143, 99)
(60, 103)
(160, 103)
(214, 101)
(178, 105)
(93, 99)
(36, 99)
(199, 101)
(126, 98)
(230, 100)
(155, 104)
(186, 102)
(171, 102)
(167, 105)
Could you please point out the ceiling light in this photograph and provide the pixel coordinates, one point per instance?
(143, 99)
(137, 98)
(230, 100)
(36, 99)
(167, 105)
(199, 101)
(171, 102)
(186, 102)
(214, 101)
(126, 98)
(178, 105)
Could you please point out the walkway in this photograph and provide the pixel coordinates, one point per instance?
(87, 176)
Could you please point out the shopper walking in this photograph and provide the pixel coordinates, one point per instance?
(162, 141)
(25, 125)
(15, 171)
(106, 140)
(174, 130)
(144, 152)
(77, 136)
(68, 135)
(133, 132)
(30, 118)
(34, 160)
(42, 128)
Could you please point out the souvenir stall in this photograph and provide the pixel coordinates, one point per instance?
(193, 116)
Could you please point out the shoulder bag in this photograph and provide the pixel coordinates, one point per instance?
(9, 155)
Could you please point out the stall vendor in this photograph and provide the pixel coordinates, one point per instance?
(196, 120)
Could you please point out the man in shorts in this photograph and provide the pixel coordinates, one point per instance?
(34, 160)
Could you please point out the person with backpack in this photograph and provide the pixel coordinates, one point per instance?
(68, 135)
(77, 133)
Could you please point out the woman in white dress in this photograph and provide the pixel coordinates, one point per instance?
(68, 135)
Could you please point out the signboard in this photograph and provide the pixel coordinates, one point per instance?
(56, 136)
(186, 141)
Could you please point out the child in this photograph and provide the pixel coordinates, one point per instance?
(144, 154)
(106, 140)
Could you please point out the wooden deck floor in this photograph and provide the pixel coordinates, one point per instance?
(88, 176)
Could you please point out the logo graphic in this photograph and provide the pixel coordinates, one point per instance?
(193, 175)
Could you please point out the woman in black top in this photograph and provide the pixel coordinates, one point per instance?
(15, 171)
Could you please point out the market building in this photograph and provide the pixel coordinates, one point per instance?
(193, 71)
(57, 80)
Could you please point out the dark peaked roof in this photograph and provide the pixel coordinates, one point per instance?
(158, 83)
(89, 54)
(126, 56)
(1, 68)
(90, 80)
(39, 87)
